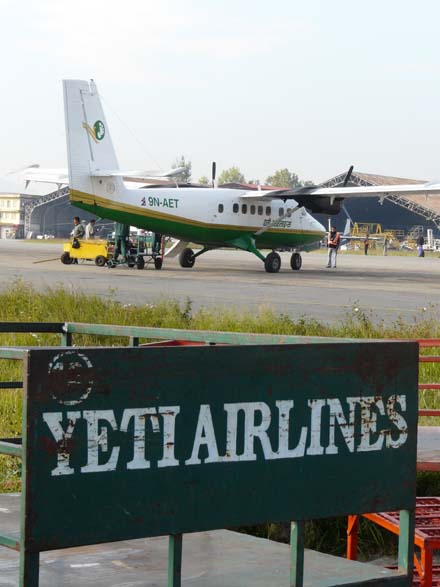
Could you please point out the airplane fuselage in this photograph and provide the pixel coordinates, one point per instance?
(211, 217)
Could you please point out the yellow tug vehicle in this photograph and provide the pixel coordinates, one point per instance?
(96, 250)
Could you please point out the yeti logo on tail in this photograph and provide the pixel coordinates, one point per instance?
(97, 132)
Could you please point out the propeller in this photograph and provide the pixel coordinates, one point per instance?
(347, 177)
(213, 172)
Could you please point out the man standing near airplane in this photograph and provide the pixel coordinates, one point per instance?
(333, 245)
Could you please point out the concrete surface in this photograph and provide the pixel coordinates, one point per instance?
(390, 287)
(428, 448)
(210, 559)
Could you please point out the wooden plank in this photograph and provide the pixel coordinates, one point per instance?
(26, 327)
(8, 448)
(195, 335)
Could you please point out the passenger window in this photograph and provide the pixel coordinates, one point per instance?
(268, 211)
(260, 210)
(252, 209)
(220, 208)
(235, 208)
(244, 208)
(281, 211)
(289, 211)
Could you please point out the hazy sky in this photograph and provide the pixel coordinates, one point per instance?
(312, 85)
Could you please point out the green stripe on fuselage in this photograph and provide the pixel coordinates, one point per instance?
(212, 235)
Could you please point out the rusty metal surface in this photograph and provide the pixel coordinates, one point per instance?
(427, 527)
(210, 559)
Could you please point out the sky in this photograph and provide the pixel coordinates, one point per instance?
(311, 85)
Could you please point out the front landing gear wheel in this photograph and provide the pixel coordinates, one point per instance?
(140, 262)
(272, 263)
(296, 261)
(186, 258)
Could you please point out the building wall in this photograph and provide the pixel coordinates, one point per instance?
(10, 214)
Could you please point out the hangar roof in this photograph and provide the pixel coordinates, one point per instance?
(428, 207)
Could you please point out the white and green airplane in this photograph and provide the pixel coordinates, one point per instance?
(211, 217)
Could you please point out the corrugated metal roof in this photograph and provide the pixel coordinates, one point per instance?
(386, 179)
(431, 203)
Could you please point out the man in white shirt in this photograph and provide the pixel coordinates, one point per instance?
(91, 229)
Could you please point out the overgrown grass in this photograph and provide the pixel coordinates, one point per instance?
(21, 302)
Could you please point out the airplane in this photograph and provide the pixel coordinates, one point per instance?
(213, 217)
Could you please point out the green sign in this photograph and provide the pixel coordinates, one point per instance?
(125, 443)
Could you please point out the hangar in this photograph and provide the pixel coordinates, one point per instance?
(395, 213)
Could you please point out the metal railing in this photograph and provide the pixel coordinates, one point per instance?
(423, 344)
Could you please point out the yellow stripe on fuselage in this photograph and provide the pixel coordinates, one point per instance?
(90, 199)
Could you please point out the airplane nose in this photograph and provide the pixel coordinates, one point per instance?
(319, 226)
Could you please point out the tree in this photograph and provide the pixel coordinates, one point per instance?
(185, 176)
(284, 178)
(231, 175)
(204, 180)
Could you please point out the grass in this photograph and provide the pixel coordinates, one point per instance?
(21, 302)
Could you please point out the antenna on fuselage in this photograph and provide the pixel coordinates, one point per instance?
(213, 172)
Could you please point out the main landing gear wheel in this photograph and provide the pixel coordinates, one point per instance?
(66, 259)
(158, 263)
(100, 261)
(186, 258)
(140, 262)
(296, 261)
(272, 263)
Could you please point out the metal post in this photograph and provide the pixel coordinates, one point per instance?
(297, 554)
(406, 543)
(175, 560)
(66, 339)
(29, 568)
(352, 537)
(134, 341)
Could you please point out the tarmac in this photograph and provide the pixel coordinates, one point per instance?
(389, 287)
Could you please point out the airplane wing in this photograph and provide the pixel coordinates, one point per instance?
(138, 173)
(60, 177)
(329, 200)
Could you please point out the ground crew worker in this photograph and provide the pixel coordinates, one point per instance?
(333, 245)
(157, 243)
(420, 243)
(366, 243)
(122, 232)
(91, 229)
(77, 233)
(78, 228)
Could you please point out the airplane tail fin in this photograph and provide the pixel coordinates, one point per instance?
(89, 144)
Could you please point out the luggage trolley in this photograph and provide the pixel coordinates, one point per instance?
(142, 249)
